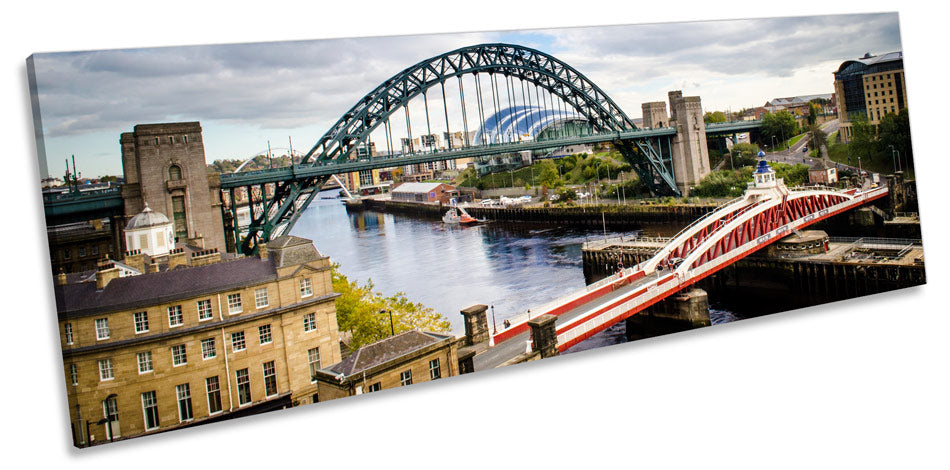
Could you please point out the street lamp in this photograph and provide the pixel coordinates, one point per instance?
(773, 144)
(897, 165)
(493, 325)
(392, 328)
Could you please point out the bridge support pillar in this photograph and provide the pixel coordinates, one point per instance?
(476, 324)
(544, 335)
(684, 311)
(690, 155)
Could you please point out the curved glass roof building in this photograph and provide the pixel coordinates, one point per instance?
(522, 122)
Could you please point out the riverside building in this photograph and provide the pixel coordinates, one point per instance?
(871, 86)
(152, 344)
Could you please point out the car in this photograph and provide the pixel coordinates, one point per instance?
(804, 149)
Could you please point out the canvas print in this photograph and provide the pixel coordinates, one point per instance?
(242, 228)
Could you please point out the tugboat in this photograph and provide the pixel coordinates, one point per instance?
(457, 215)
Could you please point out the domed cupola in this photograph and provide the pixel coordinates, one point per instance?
(151, 232)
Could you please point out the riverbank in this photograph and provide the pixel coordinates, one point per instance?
(614, 216)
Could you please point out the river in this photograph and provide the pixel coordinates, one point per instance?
(448, 268)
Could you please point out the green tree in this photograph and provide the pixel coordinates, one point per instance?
(365, 314)
(812, 113)
(743, 154)
(715, 116)
(780, 125)
(817, 138)
(864, 142)
(894, 132)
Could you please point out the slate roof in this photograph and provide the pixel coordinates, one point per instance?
(385, 350)
(79, 297)
(74, 300)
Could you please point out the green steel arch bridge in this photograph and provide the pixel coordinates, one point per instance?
(536, 89)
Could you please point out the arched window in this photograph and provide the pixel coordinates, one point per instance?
(174, 172)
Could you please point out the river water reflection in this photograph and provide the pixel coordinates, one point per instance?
(448, 268)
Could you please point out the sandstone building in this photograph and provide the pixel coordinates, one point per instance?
(165, 167)
(871, 86)
(195, 339)
(404, 359)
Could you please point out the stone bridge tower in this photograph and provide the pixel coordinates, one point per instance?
(164, 166)
(690, 155)
(654, 114)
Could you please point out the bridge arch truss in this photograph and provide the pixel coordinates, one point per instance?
(647, 155)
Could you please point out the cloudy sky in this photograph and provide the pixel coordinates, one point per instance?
(246, 95)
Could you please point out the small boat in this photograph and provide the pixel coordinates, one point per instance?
(459, 216)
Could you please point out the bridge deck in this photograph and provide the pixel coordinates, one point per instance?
(515, 345)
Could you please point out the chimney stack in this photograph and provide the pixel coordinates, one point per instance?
(177, 257)
(262, 250)
(135, 259)
(205, 257)
(105, 274)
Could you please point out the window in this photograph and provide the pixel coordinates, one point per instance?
(74, 374)
(237, 341)
(105, 370)
(82, 251)
(405, 378)
(171, 139)
(435, 371)
(260, 297)
(95, 249)
(270, 379)
(204, 309)
(244, 386)
(214, 394)
(184, 139)
(310, 322)
(174, 172)
(306, 287)
(66, 253)
(373, 388)
(68, 330)
(184, 402)
(264, 334)
(180, 217)
(207, 349)
(174, 316)
(313, 357)
(141, 322)
(102, 328)
(150, 410)
(178, 355)
(145, 361)
(234, 304)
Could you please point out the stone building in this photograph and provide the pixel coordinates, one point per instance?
(195, 339)
(423, 192)
(871, 86)
(165, 167)
(404, 359)
(77, 246)
(821, 172)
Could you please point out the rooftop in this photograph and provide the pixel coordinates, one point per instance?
(80, 297)
(380, 352)
(416, 187)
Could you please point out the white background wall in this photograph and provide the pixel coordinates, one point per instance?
(859, 384)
